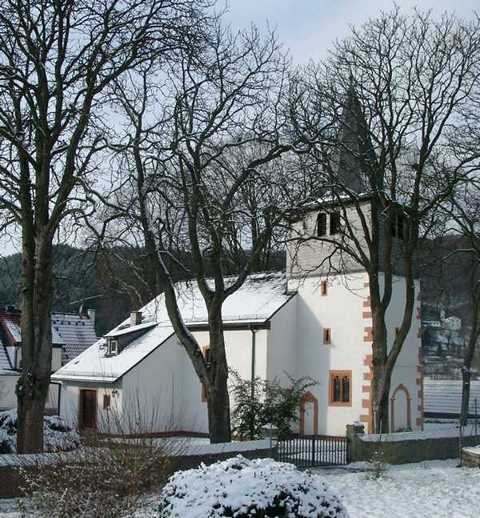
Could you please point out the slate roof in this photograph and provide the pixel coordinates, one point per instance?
(256, 301)
(5, 364)
(73, 332)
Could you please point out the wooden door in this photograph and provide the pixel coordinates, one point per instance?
(88, 409)
(308, 414)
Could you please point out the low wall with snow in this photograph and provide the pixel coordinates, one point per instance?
(402, 448)
(195, 454)
(190, 455)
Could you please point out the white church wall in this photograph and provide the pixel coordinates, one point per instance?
(282, 344)
(340, 310)
(306, 257)
(405, 372)
(170, 389)
(238, 347)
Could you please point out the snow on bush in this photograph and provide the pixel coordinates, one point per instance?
(244, 488)
(57, 436)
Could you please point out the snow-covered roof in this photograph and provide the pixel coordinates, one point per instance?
(259, 297)
(14, 329)
(94, 365)
(74, 332)
(255, 302)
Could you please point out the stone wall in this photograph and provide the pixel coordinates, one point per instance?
(407, 447)
(191, 457)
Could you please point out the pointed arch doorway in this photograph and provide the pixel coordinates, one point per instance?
(401, 409)
(308, 415)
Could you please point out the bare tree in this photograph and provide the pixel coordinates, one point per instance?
(192, 172)
(462, 220)
(57, 61)
(402, 83)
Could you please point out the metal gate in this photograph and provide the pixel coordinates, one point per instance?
(307, 451)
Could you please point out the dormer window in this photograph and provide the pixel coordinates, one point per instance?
(112, 347)
(322, 224)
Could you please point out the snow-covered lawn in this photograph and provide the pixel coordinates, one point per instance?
(434, 489)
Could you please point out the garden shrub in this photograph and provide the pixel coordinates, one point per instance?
(58, 436)
(244, 488)
(259, 403)
(107, 479)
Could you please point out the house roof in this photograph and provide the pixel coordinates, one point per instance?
(5, 364)
(260, 297)
(72, 331)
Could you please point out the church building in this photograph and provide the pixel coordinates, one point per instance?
(312, 320)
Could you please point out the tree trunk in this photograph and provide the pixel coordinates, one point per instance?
(218, 397)
(466, 371)
(219, 413)
(34, 380)
(380, 401)
(380, 383)
(470, 350)
(465, 395)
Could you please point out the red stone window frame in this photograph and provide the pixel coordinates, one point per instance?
(340, 388)
(327, 336)
(323, 288)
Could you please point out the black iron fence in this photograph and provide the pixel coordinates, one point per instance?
(307, 451)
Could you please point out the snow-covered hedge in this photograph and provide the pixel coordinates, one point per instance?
(57, 435)
(244, 488)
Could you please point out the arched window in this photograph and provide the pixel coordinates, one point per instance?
(340, 388)
(322, 224)
(345, 389)
(334, 223)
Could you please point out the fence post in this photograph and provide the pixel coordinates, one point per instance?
(476, 416)
(313, 450)
(354, 452)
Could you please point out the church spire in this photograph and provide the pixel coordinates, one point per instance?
(355, 150)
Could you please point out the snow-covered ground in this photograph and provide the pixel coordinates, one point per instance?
(425, 490)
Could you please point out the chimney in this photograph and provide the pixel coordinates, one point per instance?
(135, 318)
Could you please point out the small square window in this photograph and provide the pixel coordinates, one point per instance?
(106, 401)
(323, 288)
(327, 336)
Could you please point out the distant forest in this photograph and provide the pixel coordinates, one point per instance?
(114, 283)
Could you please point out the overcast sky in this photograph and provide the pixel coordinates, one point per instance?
(308, 27)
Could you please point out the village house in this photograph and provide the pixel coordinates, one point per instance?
(307, 321)
(71, 334)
